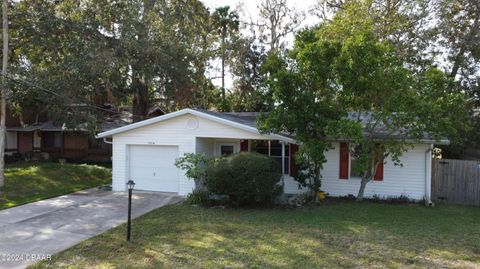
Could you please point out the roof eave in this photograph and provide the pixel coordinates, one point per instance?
(185, 111)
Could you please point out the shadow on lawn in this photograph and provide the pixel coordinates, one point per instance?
(341, 235)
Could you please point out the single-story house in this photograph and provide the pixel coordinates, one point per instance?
(145, 152)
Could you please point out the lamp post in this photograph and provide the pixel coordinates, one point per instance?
(130, 185)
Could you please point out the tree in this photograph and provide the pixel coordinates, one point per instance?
(458, 31)
(423, 33)
(277, 20)
(138, 53)
(302, 88)
(345, 83)
(227, 24)
(3, 104)
(248, 93)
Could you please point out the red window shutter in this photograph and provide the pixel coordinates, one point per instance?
(344, 160)
(379, 172)
(293, 165)
(244, 145)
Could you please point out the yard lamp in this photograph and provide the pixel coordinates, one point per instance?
(130, 185)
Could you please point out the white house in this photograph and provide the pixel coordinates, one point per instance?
(146, 151)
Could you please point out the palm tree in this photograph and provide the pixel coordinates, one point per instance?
(227, 23)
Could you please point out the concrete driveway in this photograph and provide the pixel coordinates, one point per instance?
(43, 228)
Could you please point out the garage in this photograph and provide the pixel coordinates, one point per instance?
(152, 168)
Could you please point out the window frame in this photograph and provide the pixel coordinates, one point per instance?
(285, 168)
(350, 166)
(226, 145)
(219, 144)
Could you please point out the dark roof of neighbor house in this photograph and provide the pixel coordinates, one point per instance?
(110, 122)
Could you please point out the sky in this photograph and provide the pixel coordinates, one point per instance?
(248, 11)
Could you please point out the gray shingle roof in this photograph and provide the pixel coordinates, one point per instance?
(245, 118)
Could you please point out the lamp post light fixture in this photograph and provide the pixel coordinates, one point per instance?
(130, 185)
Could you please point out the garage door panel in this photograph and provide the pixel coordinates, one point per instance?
(152, 168)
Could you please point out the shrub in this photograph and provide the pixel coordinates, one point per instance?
(194, 166)
(247, 178)
(198, 197)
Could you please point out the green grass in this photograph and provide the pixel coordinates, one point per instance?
(29, 182)
(340, 235)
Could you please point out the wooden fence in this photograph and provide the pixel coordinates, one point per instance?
(456, 181)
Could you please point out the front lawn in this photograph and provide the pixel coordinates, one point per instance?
(29, 182)
(343, 234)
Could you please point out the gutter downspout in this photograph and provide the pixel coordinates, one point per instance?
(428, 176)
(106, 141)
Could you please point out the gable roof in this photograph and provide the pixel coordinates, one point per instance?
(242, 120)
(247, 121)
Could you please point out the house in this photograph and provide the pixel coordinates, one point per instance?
(36, 137)
(145, 153)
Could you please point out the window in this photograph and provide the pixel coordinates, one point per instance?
(51, 139)
(354, 162)
(273, 149)
(226, 150)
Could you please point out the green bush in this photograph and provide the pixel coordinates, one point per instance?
(198, 197)
(247, 178)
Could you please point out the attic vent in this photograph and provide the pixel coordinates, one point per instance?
(192, 124)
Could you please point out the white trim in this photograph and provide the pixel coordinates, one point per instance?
(283, 158)
(428, 175)
(196, 113)
(219, 144)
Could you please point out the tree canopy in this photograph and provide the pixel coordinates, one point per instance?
(344, 82)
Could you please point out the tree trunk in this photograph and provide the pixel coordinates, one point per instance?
(140, 75)
(140, 100)
(3, 105)
(317, 184)
(361, 191)
(460, 57)
(223, 70)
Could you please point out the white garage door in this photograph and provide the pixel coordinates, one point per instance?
(152, 168)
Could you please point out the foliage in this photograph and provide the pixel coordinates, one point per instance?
(126, 52)
(198, 197)
(248, 178)
(227, 24)
(308, 170)
(248, 93)
(344, 82)
(195, 166)
(442, 34)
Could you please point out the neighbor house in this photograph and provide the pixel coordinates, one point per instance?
(146, 151)
(34, 137)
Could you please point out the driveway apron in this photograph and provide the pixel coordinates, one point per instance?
(38, 230)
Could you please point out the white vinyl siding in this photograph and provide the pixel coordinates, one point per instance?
(408, 180)
(172, 132)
